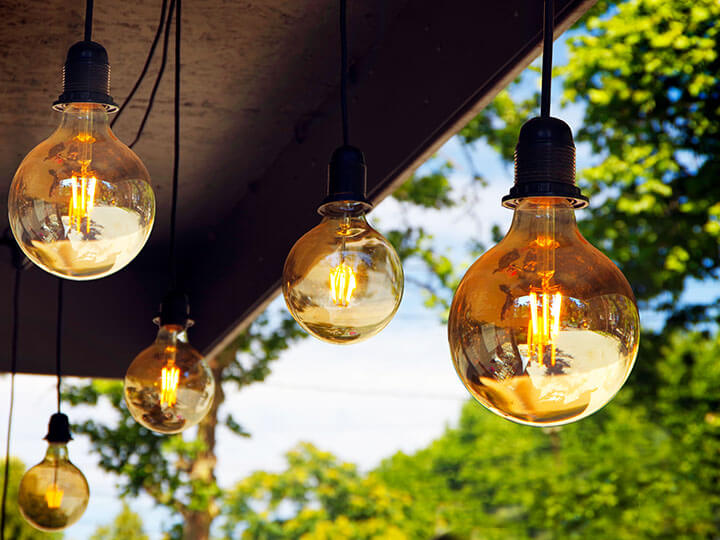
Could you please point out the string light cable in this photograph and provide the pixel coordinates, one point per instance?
(19, 262)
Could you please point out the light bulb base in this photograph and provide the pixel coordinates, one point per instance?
(86, 77)
(58, 429)
(545, 163)
(174, 310)
(347, 177)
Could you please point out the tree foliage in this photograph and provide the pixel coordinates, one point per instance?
(126, 526)
(317, 497)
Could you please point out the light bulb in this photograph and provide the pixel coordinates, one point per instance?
(80, 205)
(169, 387)
(544, 328)
(343, 281)
(54, 493)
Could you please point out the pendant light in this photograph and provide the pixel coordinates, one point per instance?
(169, 387)
(544, 328)
(54, 494)
(80, 205)
(343, 281)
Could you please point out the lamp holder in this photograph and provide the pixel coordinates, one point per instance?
(545, 163)
(347, 177)
(86, 77)
(174, 310)
(58, 429)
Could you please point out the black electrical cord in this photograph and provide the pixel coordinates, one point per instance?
(548, 24)
(13, 369)
(148, 61)
(344, 72)
(88, 19)
(158, 78)
(58, 340)
(176, 147)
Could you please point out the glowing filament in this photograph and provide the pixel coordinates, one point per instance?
(53, 496)
(544, 325)
(82, 201)
(342, 284)
(170, 378)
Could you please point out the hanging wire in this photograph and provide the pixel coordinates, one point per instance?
(176, 147)
(58, 340)
(148, 61)
(88, 19)
(158, 78)
(15, 317)
(344, 72)
(548, 24)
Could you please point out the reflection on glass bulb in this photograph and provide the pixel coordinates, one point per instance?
(343, 281)
(54, 493)
(80, 205)
(544, 328)
(169, 387)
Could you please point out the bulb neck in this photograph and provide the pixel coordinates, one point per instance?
(170, 334)
(86, 77)
(544, 217)
(85, 119)
(57, 452)
(343, 210)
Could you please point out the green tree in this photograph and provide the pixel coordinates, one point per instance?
(317, 497)
(15, 525)
(126, 526)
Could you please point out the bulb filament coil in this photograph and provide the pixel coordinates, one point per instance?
(342, 284)
(544, 326)
(170, 377)
(53, 496)
(82, 202)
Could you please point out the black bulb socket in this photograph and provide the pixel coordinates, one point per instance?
(58, 429)
(347, 177)
(86, 77)
(174, 310)
(545, 163)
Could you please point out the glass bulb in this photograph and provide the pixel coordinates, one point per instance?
(54, 493)
(169, 387)
(80, 205)
(343, 281)
(543, 328)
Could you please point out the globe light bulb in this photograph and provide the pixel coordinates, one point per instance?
(169, 387)
(80, 205)
(543, 328)
(343, 281)
(54, 494)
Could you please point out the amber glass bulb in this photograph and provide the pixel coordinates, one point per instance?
(80, 205)
(169, 387)
(54, 493)
(343, 281)
(543, 328)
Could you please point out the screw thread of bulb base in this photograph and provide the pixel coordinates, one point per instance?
(86, 77)
(545, 163)
(58, 429)
(347, 177)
